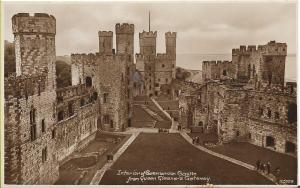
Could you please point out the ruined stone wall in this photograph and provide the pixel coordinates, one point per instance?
(265, 64)
(30, 103)
(112, 82)
(216, 70)
(23, 155)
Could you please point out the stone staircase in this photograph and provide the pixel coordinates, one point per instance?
(161, 118)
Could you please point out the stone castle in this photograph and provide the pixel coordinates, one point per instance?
(245, 99)
(43, 124)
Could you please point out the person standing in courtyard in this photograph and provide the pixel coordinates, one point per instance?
(268, 167)
(257, 165)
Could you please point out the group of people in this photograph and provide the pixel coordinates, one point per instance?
(196, 140)
(264, 167)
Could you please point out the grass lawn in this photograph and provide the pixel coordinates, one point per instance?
(71, 170)
(250, 153)
(171, 153)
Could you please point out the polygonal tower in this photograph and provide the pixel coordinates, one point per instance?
(125, 38)
(105, 42)
(148, 43)
(171, 44)
(35, 45)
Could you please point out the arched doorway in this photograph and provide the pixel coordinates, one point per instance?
(88, 81)
(292, 113)
(290, 147)
(270, 141)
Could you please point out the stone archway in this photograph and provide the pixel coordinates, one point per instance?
(270, 141)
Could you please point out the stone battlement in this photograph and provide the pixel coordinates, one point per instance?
(146, 34)
(124, 28)
(218, 62)
(84, 58)
(24, 86)
(170, 34)
(145, 57)
(72, 91)
(105, 33)
(160, 56)
(40, 23)
(272, 48)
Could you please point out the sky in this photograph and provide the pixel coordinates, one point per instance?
(202, 27)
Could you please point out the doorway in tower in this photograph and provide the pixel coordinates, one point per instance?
(290, 147)
(270, 141)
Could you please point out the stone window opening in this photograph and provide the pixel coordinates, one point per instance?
(269, 113)
(105, 97)
(200, 123)
(224, 72)
(53, 133)
(106, 119)
(158, 79)
(163, 65)
(32, 116)
(95, 96)
(44, 154)
(43, 125)
(249, 135)
(237, 133)
(276, 115)
(88, 81)
(290, 147)
(60, 116)
(292, 113)
(71, 109)
(253, 70)
(166, 80)
(156, 84)
(82, 102)
(270, 141)
(39, 90)
(155, 93)
(111, 123)
(33, 134)
(260, 111)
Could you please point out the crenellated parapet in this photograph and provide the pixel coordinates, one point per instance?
(216, 63)
(170, 34)
(87, 59)
(74, 92)
(40, 23)
(124, 28)
(163, 57)
(105, 34)
(24, 86)
(272, 48)
(140, 57)
(146, 34)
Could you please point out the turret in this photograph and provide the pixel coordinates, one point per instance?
(125, 38)
(105, 42)
(148, 43)
(171, 44)
(35, 44)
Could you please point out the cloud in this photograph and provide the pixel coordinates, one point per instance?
(201, 27)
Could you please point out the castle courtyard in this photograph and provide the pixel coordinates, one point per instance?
(160, 152)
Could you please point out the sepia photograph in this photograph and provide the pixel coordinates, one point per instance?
(178, 93)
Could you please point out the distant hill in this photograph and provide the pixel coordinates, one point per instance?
(65, 58)
(188, 75)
